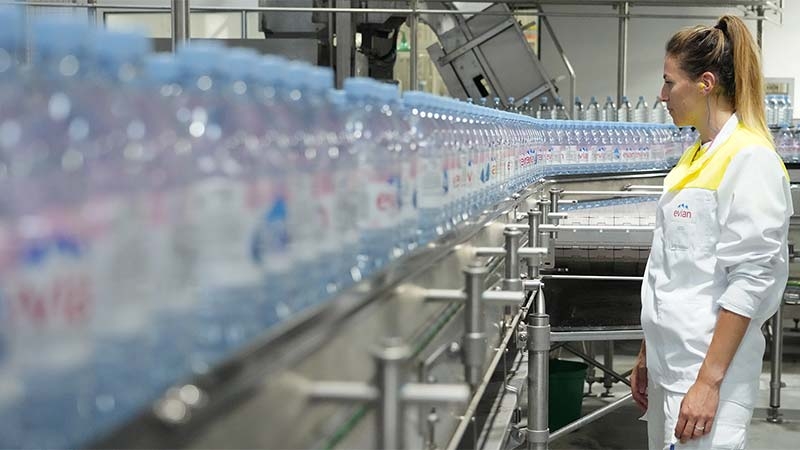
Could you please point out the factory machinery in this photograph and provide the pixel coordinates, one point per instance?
(448, 347)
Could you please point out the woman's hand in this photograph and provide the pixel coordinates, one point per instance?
(698, 409)
(639, 380)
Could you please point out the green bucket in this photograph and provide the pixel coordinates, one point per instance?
(566, 392)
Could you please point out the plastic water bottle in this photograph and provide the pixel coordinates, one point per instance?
(170, 343)
(659, 113)
(609, 112)
(47, 274)
(560, 111)
(512, 105)
(592, 111)
(525, 109)
(780, 110)
(580, 113)
(641, 113)
(430, 177)
(544, 111)
(788, 111)
(117, 207)
(380, 171)
(625, 112)
(785, 145)
(348, 192)
(497, 104)
(272, 237)
(772, 111)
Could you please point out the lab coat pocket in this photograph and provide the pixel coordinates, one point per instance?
(726, 436)
(690, 225)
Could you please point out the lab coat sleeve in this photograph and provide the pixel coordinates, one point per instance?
(754, 209)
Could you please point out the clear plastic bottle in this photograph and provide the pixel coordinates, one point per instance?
(609, 112)
(785, 144)
(659, 113)
(545, 111)
(580, 113)
(625, 112)
(380, 171)
(560, 111)
(788, 111)
(592, 111)
(47, 283)
(641, 113)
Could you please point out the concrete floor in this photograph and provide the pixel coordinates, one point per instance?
(621, 429)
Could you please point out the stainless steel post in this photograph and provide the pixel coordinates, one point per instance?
(538, 372)
(555, 196)
(244, 24)
(776, 366)
(412, 29)
(608, 361)
(760, 28)
(511, 279)
(91, 12)
(344, 43)
(474, 344)
(390, 403)
(622, 54)
(180, 23)
(534, 240)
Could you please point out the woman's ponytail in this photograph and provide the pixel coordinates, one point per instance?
(748, 78)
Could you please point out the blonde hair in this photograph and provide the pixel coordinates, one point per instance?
(728, 51)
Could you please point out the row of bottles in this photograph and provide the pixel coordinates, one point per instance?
(779, 110)
(787, 143)
(160, 212)
(609, 112)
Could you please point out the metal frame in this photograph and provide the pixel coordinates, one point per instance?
(762, 7)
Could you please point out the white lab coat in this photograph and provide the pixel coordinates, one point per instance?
(724, 247)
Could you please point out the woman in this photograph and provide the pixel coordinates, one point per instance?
(718, 263)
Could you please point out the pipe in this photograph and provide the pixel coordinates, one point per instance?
(612, 193)
(550, 228)
(567, 64)
(180, 23)
(592, 277)
(538, 432)
(589, 418)
(398, 11)
(511, 279)
(622, 51)
(390, 403)
(474, 345)
(534, 240)
(555, 195)
(344, 391)
(776, 366)
(608, 362)
(592, 361)
(435, 393)
(412, 29)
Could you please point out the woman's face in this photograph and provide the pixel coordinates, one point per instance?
(682, 95)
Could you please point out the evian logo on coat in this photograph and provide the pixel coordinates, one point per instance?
(682, 211)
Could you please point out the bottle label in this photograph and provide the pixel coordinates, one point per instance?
(431, 183)
(382, 199)
(48, 287)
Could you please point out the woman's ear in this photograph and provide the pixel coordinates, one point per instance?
(707, 82)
